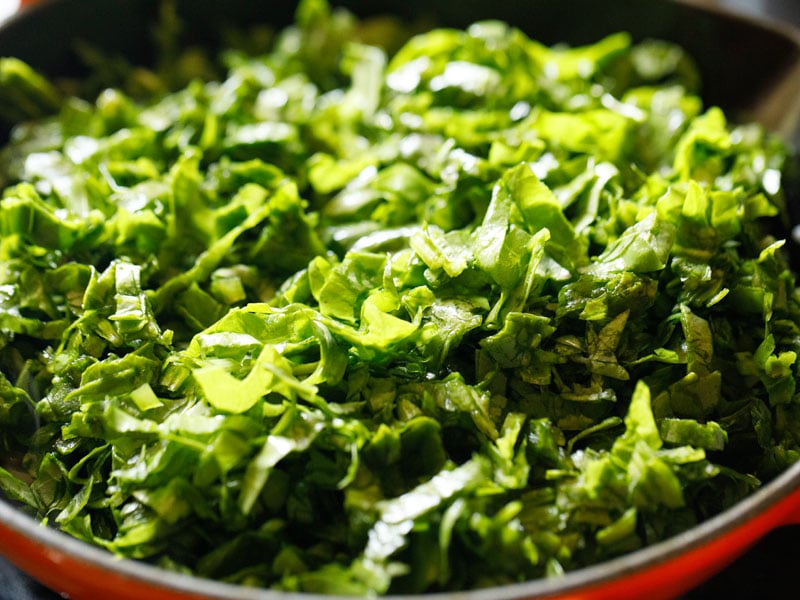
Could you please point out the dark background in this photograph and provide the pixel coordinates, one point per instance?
(769, 570)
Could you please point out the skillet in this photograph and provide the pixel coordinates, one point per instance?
(748, 69)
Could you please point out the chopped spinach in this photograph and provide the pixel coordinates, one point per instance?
(360, 315)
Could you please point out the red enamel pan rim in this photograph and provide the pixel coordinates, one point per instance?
(664, 570)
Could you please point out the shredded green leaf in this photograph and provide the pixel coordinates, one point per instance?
(358, 311)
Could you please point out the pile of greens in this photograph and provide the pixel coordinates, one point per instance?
(378, 312)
